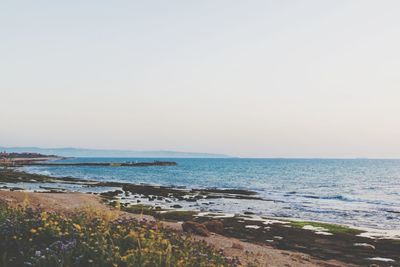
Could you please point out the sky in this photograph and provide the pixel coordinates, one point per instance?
(244, 78)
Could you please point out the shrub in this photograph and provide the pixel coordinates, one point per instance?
(90, 238)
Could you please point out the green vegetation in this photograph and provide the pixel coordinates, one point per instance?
(331, 228)
(92, 238)
(140, 209)
(177, 215)
(395, 242)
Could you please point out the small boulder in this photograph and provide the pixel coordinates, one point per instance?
(195, 228)
(215, 226)
(237, 246)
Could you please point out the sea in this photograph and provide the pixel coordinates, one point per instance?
(355, 192)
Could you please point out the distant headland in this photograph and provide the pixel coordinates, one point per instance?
(86, 152)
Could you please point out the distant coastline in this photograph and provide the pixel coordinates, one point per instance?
(86, 152)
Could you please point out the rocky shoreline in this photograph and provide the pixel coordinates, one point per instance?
(321, 240)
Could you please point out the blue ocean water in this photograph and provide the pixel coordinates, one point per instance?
(359, 192)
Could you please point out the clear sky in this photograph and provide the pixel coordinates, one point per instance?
(246, 78)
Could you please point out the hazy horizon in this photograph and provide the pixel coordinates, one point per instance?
(309, 79)
(164, 153)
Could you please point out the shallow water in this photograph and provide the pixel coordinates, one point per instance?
(359, 192)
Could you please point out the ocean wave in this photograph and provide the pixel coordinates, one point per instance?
(334, 197)
(35, 170)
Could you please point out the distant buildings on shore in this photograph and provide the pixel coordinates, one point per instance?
(17, 159)
(5, 154)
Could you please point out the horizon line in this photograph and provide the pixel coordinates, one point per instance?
(221, 155)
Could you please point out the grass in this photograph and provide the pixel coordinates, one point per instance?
(92, 238)
(332, 228)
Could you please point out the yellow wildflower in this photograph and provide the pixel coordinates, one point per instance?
(44, 216)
